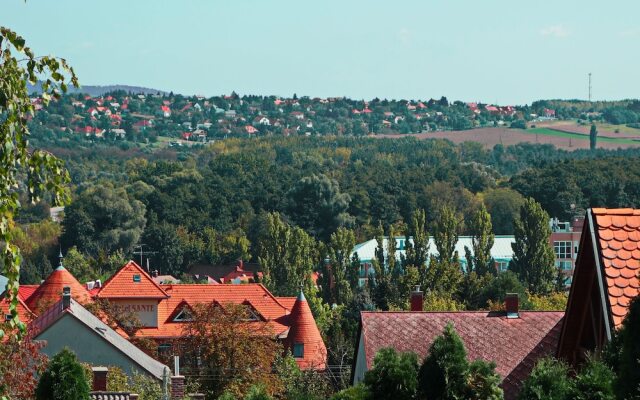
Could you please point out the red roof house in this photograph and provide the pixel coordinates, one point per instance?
(605, 280)
(49, 291)
(304, 340)
(514, 342)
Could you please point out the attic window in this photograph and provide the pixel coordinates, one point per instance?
(8, 317)
(251, 315)
(298, 350)
(183, 315)
(136, 278)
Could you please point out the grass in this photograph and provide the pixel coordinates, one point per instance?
(578, 136)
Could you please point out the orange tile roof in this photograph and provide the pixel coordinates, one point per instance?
(24, 313)
(618, 233)
(257, 296)
(50, 290)
(305, 331)
(121, 285)
(25, 291)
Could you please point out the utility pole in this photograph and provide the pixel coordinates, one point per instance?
(589, 87)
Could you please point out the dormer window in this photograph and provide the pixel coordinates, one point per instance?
(8, 317)
(183, 316)
(136, 278)
(298, 350)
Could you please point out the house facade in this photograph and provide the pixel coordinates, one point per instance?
(163, 309)
(501, 252)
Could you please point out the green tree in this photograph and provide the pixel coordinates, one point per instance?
(628, 382)
(341, 243)
(483, 382)
(22, 167)
(595, 381)
(443, 374)
(111, 220)
(79, 266)
(503, 205)
(318, 206)
(533, 258)
(287, 256)
(593, 136)
(64, 379)
(482, 241)
(446, 233)
(548, 381)
(393, 376)
(417, 253)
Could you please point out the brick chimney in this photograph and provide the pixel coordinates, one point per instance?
(177, 387)
(511, 305)
(417, 299)
(66, 297)
(99, 379)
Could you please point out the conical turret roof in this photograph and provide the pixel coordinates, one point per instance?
(50, 290)
(304, 339)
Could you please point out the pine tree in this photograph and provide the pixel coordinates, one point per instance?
(533, 258)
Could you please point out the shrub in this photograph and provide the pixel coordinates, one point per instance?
(393, 376)
(548, 381)
(64, 379)
(358, 392)
(444, 372)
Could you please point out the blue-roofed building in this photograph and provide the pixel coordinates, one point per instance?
(3, 283)
(502, 252)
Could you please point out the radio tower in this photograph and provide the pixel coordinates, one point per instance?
(589, 87)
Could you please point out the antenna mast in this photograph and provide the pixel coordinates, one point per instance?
(589, 87)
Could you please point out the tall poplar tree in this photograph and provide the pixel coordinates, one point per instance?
(593, 136)
(533, 258)
(482, 241)
(417, 252)
(338, 264)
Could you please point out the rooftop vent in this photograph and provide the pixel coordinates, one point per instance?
(511, 305)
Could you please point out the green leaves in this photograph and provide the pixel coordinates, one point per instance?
(45, 173)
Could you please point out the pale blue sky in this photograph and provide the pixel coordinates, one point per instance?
(493, 50)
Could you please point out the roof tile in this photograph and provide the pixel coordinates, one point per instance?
(618, 231)
(513, 344)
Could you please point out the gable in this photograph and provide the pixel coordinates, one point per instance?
(131, 282)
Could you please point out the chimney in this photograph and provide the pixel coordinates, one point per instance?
(417, 299)
(177, 387)
(66, 297)
(511, 305)
(154, 273)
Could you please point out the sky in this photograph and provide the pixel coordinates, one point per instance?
(493, 51)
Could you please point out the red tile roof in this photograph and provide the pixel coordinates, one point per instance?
(305, 331)
(256, 295)
(24, 313)
(123, 285)
(618, 234)
(50, 290)
(513, 344)
(25, 291)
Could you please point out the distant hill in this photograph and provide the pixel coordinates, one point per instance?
(100, 90)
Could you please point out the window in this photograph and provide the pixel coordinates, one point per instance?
(298, 350)
(183, 315)
(362, 282)
(562, 249)
(564, 265)
(503, 266)
(136, 278)
(8, 317)
(164, 350)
